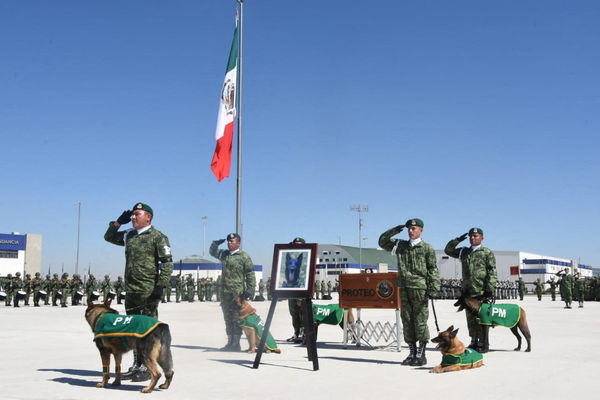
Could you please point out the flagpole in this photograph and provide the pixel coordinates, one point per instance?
(238, 212)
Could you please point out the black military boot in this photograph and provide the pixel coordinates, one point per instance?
(420, 358)
(133, 369)
(227, 347)
(412, 352)
(235, 343)
(473, 344)
(141, 375)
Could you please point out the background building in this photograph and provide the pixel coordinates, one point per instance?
(333, 260)
(20, 253)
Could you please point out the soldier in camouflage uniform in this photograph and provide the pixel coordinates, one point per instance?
(91, 286)
(178, 289)
(76, 285)
(36, 285)
(17, 285)
(7, 286)
(318, 289)
(119, 289)
(566, 286)
(54, 289)
(106, 287)
(539, 288)
(27, 287)
(148, 268)
(47, 287)
(237, 279)
(580, 285)
(522, 288)
(479, 277)
(419, 280)
(63, 287)
(189, 283)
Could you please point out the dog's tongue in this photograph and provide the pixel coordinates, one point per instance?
(438, 346)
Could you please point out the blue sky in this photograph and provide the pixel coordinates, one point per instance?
(462, 113)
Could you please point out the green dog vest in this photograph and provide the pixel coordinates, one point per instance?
(116, 325)
(330, 314)
(499, 314)
(469, 357)
(254, 321)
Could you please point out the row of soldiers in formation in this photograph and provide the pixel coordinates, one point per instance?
(451, 289)
(14, 289)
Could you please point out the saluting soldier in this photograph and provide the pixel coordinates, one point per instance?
(418, 279)
(238, 279)
(566, 286)
(479, 277)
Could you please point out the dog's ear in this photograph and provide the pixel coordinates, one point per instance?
(300, 259)
(450, 328)
(287, 257)
(453, 333)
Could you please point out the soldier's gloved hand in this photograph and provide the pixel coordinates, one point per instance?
(220, 241)
(125, 218)
(462, 237)
(156, 293)
(400, 227)
(245, 296)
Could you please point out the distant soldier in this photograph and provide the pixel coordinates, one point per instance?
(90, 287)
(47, 287)
(566, 286)
(539, 288)
(76, 290)
(36, 285)
(261, 291)
(190, 288)
(63, 287)
(268, 288)
(179, 289)
(329, 287)
(106, 287)
(318, 289)
(16, 287)
(552, 284)
(27, 288)
(8, 289)
(119, 288)
(521, 289)
(580, 288)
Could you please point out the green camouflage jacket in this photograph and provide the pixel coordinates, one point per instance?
(417, 266)
(238, 271)
(479, 273)
(143, 254)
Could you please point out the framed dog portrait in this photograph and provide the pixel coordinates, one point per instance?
(293, 272)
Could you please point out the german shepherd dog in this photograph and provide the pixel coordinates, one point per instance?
(292, 270)
(449, 344)
(152, 348)
(473, 306)
(246, 310)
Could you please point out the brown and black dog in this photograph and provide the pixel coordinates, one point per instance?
(454, 354)
(153, 348)
(473, 306)
(246, 310)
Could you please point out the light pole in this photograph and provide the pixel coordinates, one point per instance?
(204, 218)
(78, 204)
(359, 208)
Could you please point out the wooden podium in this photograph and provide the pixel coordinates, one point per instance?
(370, 290)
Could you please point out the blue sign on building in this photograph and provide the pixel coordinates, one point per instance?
(12, 242)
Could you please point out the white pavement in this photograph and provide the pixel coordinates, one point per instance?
(48, 353)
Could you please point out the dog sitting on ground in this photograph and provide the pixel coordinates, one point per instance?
(496, 314)
(454, 354)
(252, 326)
(111, 337)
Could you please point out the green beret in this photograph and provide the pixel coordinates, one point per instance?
(414, 222)
(18, 274)
(232, 236)
(142, 206)
(298, 239)
(475, 230)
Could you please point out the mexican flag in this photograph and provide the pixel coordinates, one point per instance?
(221, 161)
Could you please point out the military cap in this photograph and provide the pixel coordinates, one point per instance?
(65, 274)
(298, 239)
(18, 274)
(9, 276)
(475, 230)
(142, 206)
(414, 222)
(47, 276)
(28, 275)
(232, 236)
(55, 274)
(107, 276)
(37, 274)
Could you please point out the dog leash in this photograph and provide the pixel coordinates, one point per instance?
(435, 316)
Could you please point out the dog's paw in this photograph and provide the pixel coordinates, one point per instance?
(146, 390)
(436, 370)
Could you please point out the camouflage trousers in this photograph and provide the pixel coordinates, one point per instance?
(475, 330)
(295, 307)
(415, 313)
(231, 314)
(139, 303)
